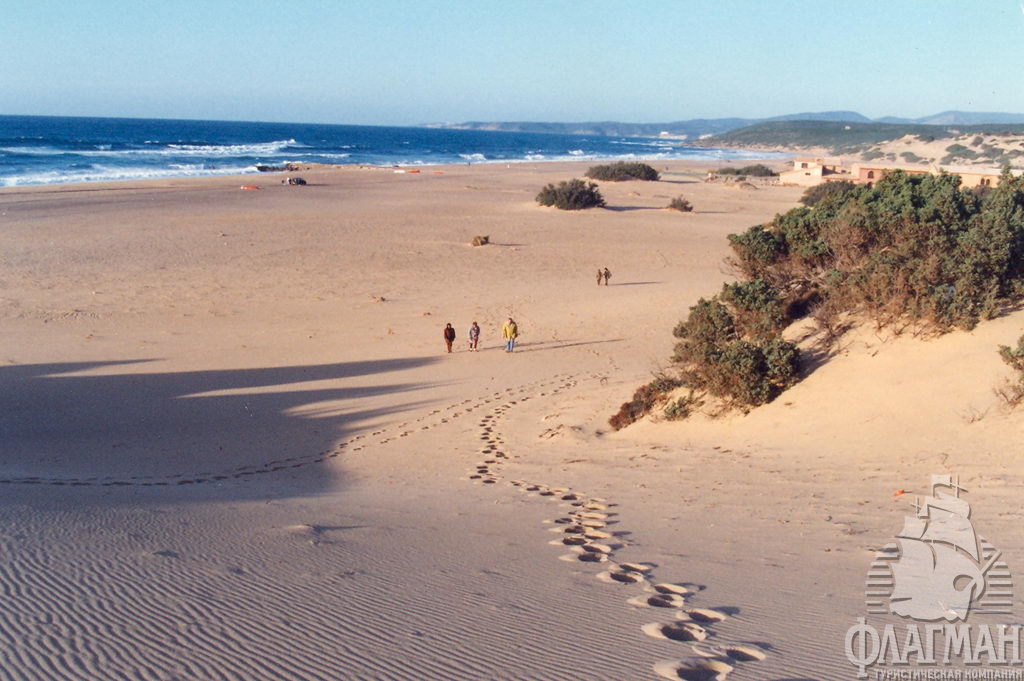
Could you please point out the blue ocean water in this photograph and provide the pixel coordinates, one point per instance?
(49, 149)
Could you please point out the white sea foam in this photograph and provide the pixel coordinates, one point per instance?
(479, 158)
(111, 174)
(173, 150)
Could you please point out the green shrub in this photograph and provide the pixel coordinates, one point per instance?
(644, 400)
(680, 204)
(757, 308)
(911, 157)
(731, 345)
(621, 171)
(757, 249)
(909, 248)
(750, 374)
(756, 170)
(872, 155)
(1013, 392)
(574, 194)
(681, 408)
(914, 246)
(819, 192)
(1014, 357)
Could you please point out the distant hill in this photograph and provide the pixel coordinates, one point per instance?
(691, 129)
(700, 127)
(843, 138)
(958, 118)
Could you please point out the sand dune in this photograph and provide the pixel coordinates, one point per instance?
(232, 445)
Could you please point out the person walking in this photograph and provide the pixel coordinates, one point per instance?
(510, 332)
(599, 275)
(474, 337)
(607, 275)
(449, 336)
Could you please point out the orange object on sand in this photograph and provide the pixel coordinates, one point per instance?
(412, 171)
(899, 492)
(439, 172)
(249, 186)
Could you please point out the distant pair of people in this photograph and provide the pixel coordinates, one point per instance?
(605, 274)
(473, 335)
(509, 332)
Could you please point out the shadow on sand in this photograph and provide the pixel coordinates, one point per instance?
(89, 422)
(538, 346)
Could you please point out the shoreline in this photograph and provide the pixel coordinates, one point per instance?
(316, 167)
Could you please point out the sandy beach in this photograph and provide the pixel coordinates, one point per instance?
(232, 445)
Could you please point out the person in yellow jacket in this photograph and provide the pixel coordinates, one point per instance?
(510, 332)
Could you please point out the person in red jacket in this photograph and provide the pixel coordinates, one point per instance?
(449, 336)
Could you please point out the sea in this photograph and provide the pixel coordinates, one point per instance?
(38, 150)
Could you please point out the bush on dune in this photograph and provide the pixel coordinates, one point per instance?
(572, 194)
(825, 190)
(644, 399)
(1013, 391)
(622, 171)
(911, 249)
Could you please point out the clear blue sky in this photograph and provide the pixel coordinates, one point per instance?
(402, 63)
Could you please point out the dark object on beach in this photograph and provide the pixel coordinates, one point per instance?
(757, 170)
(481, 240)
(270, 169)
(574, 194)
(621, 171)
(680, 204)
(293, 181)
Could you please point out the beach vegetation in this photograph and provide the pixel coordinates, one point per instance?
(915, 251)
(682, 407)
(756, 170)
(621, 171)
(827, 190)
(1012, 391)
(644, 399)
(680, 204)
(574, 194)
(913, 247)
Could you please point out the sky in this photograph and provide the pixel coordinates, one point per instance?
(385, 62)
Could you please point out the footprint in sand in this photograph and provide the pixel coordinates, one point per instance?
(737, 653)
(658, 601)
(620, 577)
(676, 631)
(697, 670)
(592, 547)
(706, 615)
(679, 589)
(584, 557)
(569, 541)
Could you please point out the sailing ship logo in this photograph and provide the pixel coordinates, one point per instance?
(941, 569)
